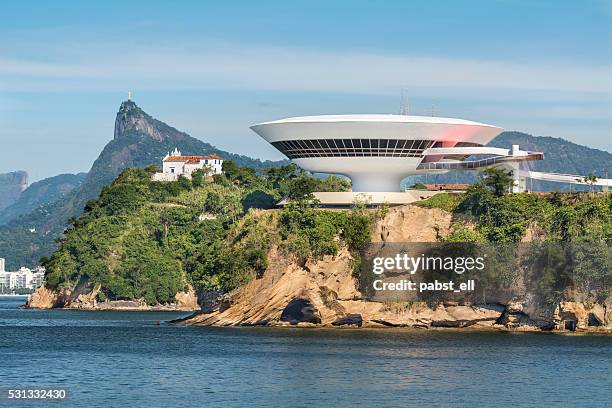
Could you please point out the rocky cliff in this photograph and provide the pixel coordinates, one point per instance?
(85, 297)
(11, 186)
(325, 292)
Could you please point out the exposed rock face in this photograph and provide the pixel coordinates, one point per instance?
(349, 320)
(325, 293)
(582, 317)
(84, 297)
(11, 186)
(410, 223)
(300, 311)
(287, 294)
(45, 298)
(187, 300)
(130, 118)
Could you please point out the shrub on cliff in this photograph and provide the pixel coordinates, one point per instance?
(314, 232)
(506, 217)
(570, 238)
(445, 201)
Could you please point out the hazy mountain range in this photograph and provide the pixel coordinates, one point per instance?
(40, 193)
(32, 219)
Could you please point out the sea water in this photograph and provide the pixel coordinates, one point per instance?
(138, 359)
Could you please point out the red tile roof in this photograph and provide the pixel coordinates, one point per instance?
(447, 186)
(191, 159)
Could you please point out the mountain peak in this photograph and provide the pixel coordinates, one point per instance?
(132, 119)
(127, 106)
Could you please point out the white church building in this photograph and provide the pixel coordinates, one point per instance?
(175, 164)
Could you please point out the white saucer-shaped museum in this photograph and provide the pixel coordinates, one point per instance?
(376, 151)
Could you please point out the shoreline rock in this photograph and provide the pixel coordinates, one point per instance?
(84, 299)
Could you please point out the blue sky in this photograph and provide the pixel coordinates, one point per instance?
(214, 68)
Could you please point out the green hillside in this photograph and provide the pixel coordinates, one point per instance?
(150, 239)
(139, 140)
(144, 239)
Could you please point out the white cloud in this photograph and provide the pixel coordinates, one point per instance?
(558, 98)
(232, 66)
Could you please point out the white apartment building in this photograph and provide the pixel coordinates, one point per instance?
(175, 164)
(38, 277)
(24, 278)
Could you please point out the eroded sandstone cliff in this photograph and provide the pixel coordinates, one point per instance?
(325, 292)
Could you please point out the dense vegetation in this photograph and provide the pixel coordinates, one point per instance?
(142, 140)
(569, 237)
(144, 239)
(554, 217)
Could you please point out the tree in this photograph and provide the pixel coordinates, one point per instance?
(184, 183)
(591, 179)
(239, 175)
(278, 175)
(221, 180)
(498, 181)
(152, 168)
(301, 189)
(230, 169)
(334, 183)
(197, 177)
(214, 203)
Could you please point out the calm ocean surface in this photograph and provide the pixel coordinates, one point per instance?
(135, 359)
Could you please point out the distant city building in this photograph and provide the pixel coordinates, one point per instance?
(24, 278)
(175, 165)
(38, 277)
